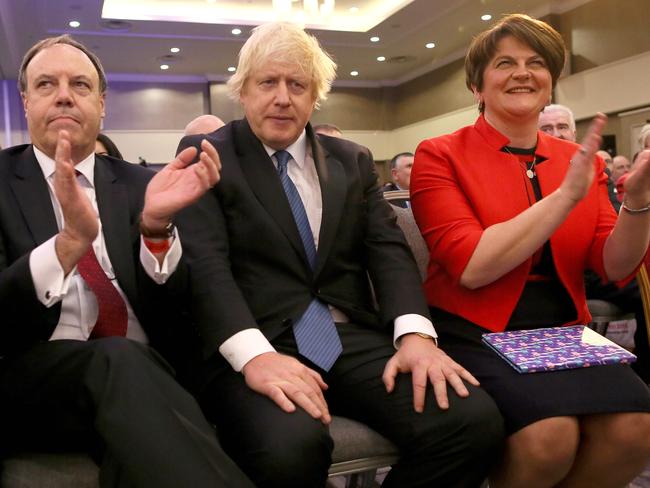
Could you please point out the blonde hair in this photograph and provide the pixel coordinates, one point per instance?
(285, 43)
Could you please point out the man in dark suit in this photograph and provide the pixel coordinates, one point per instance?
(280, 253)
(400, 172)
(87, 265)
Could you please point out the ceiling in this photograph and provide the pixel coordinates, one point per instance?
(132, 45)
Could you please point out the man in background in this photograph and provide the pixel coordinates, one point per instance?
(400, 172)
(558, 121)
(328, 130)
(203, 124)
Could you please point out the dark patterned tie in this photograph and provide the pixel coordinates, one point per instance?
(315, 332)
(112, 316)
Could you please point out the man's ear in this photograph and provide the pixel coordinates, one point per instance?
(102, 102)
(23, 97)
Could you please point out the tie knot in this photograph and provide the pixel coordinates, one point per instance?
(283, 158)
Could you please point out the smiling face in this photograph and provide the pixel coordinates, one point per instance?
(62, 92)
(516, 84)
(278, 101)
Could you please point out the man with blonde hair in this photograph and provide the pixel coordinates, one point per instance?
(280, 254)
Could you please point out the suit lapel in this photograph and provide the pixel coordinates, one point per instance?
(331, 177)
(33, 197)
(112, 202)
(263, 180)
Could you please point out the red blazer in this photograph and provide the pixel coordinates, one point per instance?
(462, 183)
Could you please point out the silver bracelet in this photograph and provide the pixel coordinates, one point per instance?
(634, 210)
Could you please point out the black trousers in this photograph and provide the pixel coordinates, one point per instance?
(454, 448)
(117, 399)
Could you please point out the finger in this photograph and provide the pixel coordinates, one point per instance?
(439, 388)
(63, 154)
(419, 380)
(467, 376)
(211, 151)
(276, 394)
(390, 372)
(318, 378)
(456, 383)
(202, 174)
(309, 385)
(211, 167)
(591, 141)
(184, 158)
(300, 398)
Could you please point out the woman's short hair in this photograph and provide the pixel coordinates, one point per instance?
(52, 41)
(111, 148)
(284, 42)
(538, 35)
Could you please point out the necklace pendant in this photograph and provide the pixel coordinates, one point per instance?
(530, 173)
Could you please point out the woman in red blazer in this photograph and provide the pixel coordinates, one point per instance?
(512, 217)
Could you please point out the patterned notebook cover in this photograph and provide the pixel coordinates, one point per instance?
(555, 348)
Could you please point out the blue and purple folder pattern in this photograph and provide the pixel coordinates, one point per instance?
(556, 348)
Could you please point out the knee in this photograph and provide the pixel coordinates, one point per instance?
(548, 445)
(628, 433)
(479, 424)
(299, 457)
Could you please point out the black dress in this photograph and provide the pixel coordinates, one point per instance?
(527, 398)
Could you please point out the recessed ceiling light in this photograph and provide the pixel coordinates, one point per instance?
(175, 50)
(236, 31)
(354, 73)
(232, 69)
(430, 45)
(381, 58)
(74, 23)
(164, 66)
(374, 39)
(354, 10)
(486, 17)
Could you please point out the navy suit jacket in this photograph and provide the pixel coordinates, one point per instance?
(247, 263)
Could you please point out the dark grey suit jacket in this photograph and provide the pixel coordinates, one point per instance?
(247, 263)
(27, 220)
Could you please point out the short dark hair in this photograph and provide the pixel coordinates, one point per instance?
(52, 41)
(393, 162)
(111, 148)
(538, 35)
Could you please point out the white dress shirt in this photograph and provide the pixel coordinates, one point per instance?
(249, 343)
(79, 308)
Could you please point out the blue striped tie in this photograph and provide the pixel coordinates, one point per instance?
(315, 332)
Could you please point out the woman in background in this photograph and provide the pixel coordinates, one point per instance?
(512, 217)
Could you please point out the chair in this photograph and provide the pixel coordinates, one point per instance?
(397, 197)
(358, 452)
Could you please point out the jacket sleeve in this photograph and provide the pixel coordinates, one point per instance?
(444, 214)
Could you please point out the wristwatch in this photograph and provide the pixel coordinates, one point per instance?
(426, 336)
(166, 233)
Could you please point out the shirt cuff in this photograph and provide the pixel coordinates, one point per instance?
(158, 272)
(48, 276)
(412, 322)
(244, 346)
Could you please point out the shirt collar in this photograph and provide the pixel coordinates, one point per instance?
(298, 149)
(86, 167)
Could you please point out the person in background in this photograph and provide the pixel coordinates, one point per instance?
(400, 172)
(90, 262)
(104, 146)
(644, 137)
(328, 130)
(280, 253)
(558, 121)
(512, 216)
(203, 124)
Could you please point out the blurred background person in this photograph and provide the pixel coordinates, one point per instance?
(203, 124)
(511, 217)
(328, 130)
(558, 121)
(104, 146)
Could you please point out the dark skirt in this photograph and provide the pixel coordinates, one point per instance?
(527, 398)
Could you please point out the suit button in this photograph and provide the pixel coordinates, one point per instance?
(47, 295)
